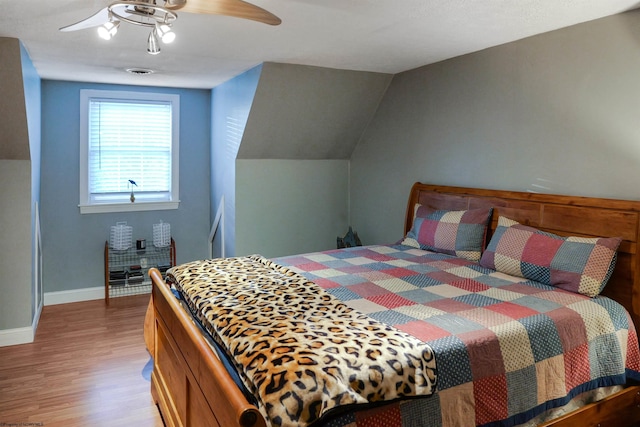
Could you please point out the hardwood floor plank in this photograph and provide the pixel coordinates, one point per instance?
(84, 368)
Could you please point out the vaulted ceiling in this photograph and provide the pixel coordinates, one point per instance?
(385, 36)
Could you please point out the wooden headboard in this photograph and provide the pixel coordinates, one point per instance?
(562, 215)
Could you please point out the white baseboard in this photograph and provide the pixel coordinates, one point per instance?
(16, 336)
(74, 295)
(27, 334)
(20, 335)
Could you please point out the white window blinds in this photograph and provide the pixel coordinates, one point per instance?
(129, 141)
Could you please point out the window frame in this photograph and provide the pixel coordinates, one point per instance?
(86, 205)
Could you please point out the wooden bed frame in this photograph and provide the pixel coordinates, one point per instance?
(191, 386)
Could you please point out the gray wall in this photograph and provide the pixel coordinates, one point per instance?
(15, 244)
(554, 113)
(281, 138)
(14, 138)
(285, 207)
(20, 189)
(73, 244)
(310, 113)
(292, 172)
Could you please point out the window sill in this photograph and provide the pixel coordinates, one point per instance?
(128, 207)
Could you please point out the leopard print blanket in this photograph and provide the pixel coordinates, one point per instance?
(299, 350)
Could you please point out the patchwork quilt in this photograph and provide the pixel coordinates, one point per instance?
(507, 348)
(298, 349)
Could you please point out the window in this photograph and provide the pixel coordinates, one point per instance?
(128, 145)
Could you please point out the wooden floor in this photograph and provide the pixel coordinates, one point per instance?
(83, 369)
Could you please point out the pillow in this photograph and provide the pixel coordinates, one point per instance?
(459, 233)
(576, 264)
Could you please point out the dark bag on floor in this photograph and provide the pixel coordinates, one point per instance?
(350, 240)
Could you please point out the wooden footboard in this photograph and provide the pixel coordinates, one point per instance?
(189, 383)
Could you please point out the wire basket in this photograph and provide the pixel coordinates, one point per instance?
(161, 235)
(121, 236)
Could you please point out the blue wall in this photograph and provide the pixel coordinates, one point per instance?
(231, 104)
(73, 244)
(32, 99)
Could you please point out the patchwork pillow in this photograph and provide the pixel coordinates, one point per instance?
(576, 264)
(459, 233)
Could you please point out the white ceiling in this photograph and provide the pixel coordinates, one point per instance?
(386, 36)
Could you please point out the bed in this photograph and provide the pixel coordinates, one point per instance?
(193, 383)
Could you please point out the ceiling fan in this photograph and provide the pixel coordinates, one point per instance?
(160, 15)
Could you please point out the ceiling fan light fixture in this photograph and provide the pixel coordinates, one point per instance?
(153, 47)
(109, 29)
(159, 15)
(165, 33)
(174, 4)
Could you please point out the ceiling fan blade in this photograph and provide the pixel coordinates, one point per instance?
(235, 8)
(94, 20)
